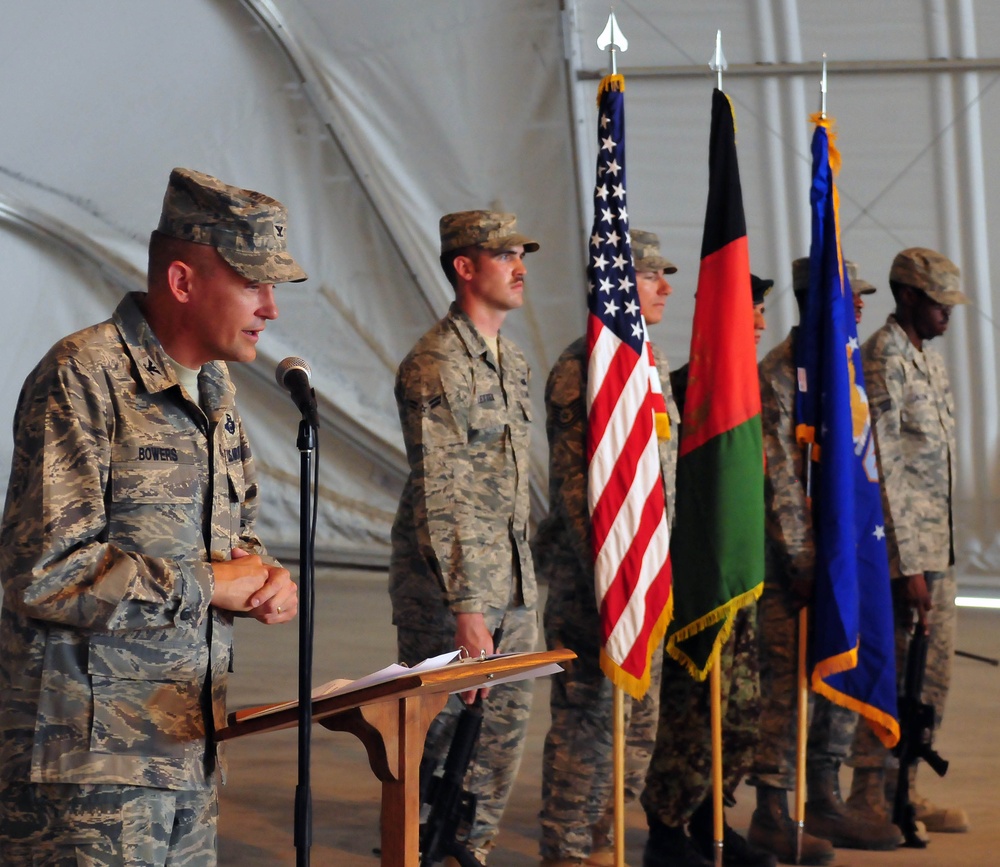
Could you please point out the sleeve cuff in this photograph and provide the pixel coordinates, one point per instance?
(198, 587)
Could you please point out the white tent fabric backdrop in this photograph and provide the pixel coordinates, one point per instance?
(371, 119)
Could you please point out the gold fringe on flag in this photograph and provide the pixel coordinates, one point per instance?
(831, 137)
(610, 82)
(885, 726)
(725, 612)
(834, 159)
(626, 682)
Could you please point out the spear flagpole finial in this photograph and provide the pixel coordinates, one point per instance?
(717, 62)
(822, 90)
(612, 39)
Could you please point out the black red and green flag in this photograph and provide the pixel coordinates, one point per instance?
(717, 543)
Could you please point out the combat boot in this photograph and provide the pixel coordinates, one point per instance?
(736, 851)
(827, 816)
(670, 846)
(939, 820)
(946, 820)
(868, 793)
(773, 830)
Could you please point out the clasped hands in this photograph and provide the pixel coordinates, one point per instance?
(247, 585)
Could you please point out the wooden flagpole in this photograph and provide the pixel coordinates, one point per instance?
(718, 819)
(803, 727)
(619, 776)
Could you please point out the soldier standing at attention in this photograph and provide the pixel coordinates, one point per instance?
(128, 545)
(577, 757)
(860, 288)
(679, 780)
(913, 416)
(461, 566)
(789, 553)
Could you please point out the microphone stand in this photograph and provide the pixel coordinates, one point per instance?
(306, 444)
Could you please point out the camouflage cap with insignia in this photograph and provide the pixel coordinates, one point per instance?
(248, 228)
(930, 272)
(490, 230)
(759, 287)
(646, 253)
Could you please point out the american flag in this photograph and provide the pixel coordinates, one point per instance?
(625, 492)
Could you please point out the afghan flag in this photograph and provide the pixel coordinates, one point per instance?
(717, 545)
(852, 650)
(625, 406)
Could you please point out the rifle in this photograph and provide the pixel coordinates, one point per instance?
(450, 805)
(916, 738)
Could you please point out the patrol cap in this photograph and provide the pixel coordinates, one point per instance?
(930, 272)
(759, 288)
(646, 253)
(490, 230)
(248, 228)
(800, 277)
(858, 285)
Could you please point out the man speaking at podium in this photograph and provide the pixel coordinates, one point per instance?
(128, 545)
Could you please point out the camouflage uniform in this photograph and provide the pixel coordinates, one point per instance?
(124, 487)
(913, 415)
(111, 826)
(640, 736)
(680, 773)
(459, 541)
(113, 665)
(577, 759)
(789, 556)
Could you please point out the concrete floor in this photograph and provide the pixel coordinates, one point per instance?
(354, 637)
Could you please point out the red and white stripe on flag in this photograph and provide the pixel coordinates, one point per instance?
(630, 534)
(625, 490)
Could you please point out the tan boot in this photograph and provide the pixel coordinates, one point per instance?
(773, 830)
(827, 816)
(939, 820)
(868, 793)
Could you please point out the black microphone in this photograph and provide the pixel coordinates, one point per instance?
(293, 375)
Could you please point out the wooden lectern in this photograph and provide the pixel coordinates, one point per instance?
(391, 719)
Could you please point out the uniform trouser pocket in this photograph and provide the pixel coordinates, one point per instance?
(109, 826)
